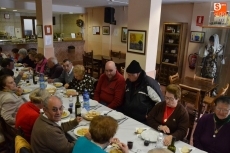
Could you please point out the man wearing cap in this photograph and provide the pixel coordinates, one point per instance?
(110, 88)
(142, 93)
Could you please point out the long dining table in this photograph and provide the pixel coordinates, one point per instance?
(125, 130)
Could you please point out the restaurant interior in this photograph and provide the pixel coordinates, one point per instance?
(102, 29)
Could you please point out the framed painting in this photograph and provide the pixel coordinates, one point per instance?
(39, 31)
(197, 36)
(136, 41)
(48, 29)
(124, 34)
(96, 30)
(106, 30)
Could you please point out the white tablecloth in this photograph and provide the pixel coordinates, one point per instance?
(125, 130)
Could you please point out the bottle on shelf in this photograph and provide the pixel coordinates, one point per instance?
(86, 100)
(172, 147)
(77, 107)
(160, 139)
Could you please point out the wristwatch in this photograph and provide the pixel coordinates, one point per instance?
(158, 128)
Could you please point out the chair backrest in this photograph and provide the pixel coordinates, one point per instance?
(203, 79)
(115, 54)
(88, 53)
(103, 62)
(174, 78)
(21, 145)
(222, 91)
(192, 96)
(87, 60)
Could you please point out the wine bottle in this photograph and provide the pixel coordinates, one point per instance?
(77, 107)
(171, 147)
(34, 75)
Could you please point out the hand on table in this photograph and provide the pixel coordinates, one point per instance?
(167, 140)
(79, 119)
(123, 147)
(66, 85)
(50, 80)
(165, 129)
(18, 90)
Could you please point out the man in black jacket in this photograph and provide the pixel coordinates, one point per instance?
(142, 93)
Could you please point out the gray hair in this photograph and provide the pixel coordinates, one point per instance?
(54, 60)
(46, 101)
(22, 51)
(159, 150)
(38, 96)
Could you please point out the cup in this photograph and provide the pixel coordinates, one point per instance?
(130, 144)
(70, 109)
(146, 143)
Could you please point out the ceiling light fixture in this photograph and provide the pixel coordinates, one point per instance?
(70, 12)
(117, 1)
(15, 10)
(3, 8)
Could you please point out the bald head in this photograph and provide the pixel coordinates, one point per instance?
(110, 69)
(51, 62)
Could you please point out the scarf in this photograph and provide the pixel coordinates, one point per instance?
(40, 68)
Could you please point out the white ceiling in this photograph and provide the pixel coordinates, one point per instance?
(77, 6)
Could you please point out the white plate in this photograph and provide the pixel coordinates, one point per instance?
(78, 128)
(149, 135)
(25, 91)
(116, 115)
(67, 113)
(188, 148)
(93, 103)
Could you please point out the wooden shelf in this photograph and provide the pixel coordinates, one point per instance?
(167, 33)
(169, 64)
(215, 26)
(170, 54)
(172, 44)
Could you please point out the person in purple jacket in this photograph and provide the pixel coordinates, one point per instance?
(212, 133)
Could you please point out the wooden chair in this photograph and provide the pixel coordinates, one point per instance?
(174, 78)
(192, 97)
(103, 62)
(91, 66)
(115, 54)
(88, 53)
(209, 101)
(203, 79)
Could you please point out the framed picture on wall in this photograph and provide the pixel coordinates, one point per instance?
(136, 41)
(48, 29)
(106, 30)
(197, 36)
(39, 31)
(124, 34)
(96, 30)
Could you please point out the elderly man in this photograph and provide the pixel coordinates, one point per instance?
(24, 58)
(67, 73)
(7, 69)
(110, 87)
(55, 68)
(48, 134)
(142, 93)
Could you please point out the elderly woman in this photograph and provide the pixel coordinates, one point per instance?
(9, 101)
(81, 81)
(41, 62)
(102, 129)
(212, 131)
(170, 117)
(24, 58)
(30, 111)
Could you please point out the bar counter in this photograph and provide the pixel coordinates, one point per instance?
(60, 49)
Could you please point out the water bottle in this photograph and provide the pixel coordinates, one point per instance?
(42, 81)
(160, 139)
(86, 100)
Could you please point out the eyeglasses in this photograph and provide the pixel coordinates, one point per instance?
(169, 98)
(55, 109)
(223, 110)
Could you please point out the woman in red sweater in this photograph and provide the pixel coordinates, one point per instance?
(29, 112)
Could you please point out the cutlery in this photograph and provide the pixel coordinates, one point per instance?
(97, 107)
(108, 112)
(121, 121)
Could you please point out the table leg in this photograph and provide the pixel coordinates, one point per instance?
(202, 95)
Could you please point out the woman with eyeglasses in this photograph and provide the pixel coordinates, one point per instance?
(30, 111)
(41, 62)
(170, 116)
(212, 133)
